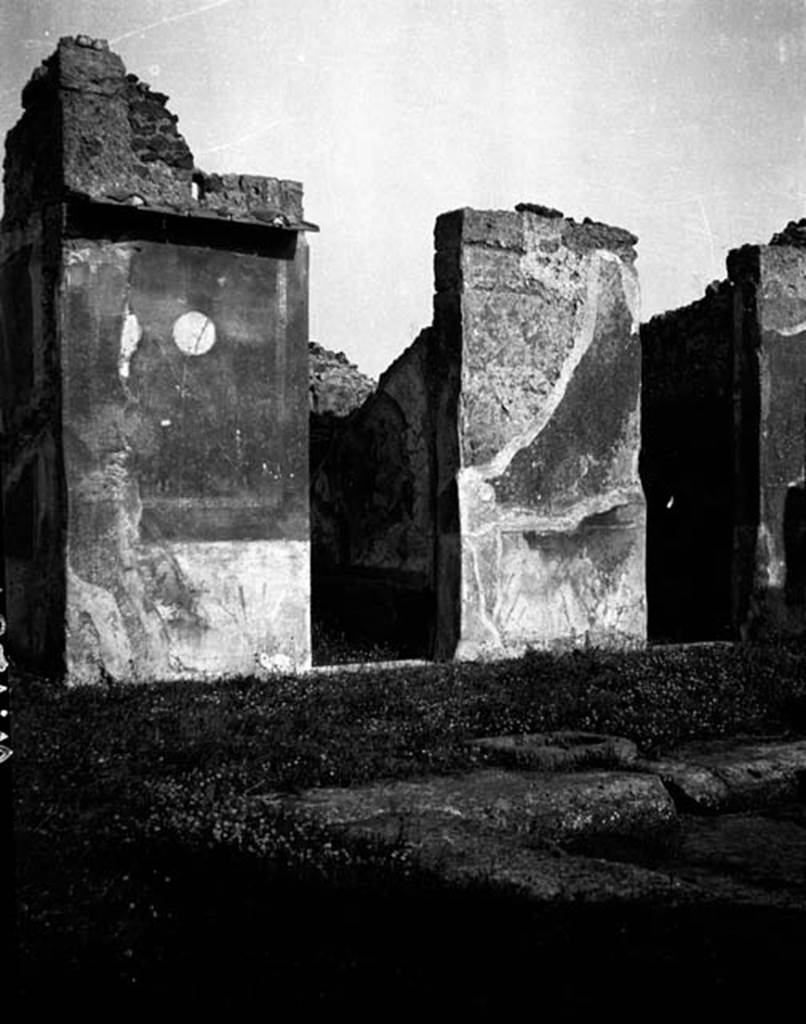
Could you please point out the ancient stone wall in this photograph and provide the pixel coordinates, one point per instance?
(724, 444)
(336, 389)
(494, 472)
(155, 415)
(541, 316)
(373, 528)
(771, 335)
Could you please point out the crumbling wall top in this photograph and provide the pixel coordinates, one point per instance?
(91, 130)
(530, 224)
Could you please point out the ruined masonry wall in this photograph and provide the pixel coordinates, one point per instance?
(724, 446)
(373, 512)
(771, 328)
(541, 317)
(154, 393)
(90, 129)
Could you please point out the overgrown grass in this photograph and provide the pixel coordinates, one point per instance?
(347, 728)
(141, 832)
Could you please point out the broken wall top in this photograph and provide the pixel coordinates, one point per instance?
(529, 226)
(90, 130)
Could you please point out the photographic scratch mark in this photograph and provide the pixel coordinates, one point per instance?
(169, 19)
(243, 138)
(708, 231)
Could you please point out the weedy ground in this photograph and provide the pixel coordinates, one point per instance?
(147, 865)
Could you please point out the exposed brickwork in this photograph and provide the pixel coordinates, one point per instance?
(90, 129)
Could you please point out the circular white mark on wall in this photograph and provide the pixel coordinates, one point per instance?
(194, 333)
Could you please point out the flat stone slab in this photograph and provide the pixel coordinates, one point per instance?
(558, 808)
(746, 857)
(556, 751)
(462, 850)
(723, 775)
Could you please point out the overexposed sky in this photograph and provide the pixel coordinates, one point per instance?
(681, 120)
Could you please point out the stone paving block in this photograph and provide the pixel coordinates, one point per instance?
(724, 775)
(571, 809)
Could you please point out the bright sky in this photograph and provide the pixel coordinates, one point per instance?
(681, 120)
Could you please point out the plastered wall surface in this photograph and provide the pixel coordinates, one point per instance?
(542, 315)
(185, 460)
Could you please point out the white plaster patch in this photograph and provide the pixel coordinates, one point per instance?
(254, 599)
(274, 663)
(130, 336)
(770, 569)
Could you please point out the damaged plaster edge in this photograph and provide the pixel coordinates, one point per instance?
(632, 290)
(789, 332)
(519, 519)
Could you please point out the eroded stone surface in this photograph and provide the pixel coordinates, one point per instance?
(464, 850)
(726, 775)
(568, 809)
(744, 857)
(119, 143)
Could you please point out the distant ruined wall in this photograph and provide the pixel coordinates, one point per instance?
(723, 451)
(153, 344)
(372, 507)
(336, 389)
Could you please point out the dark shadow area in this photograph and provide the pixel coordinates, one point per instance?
(164, 921)
(795, 545)
(373, 479)
(699, 466)
(117, 222)
(369, 616)
(690, 537)
(31, 470)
